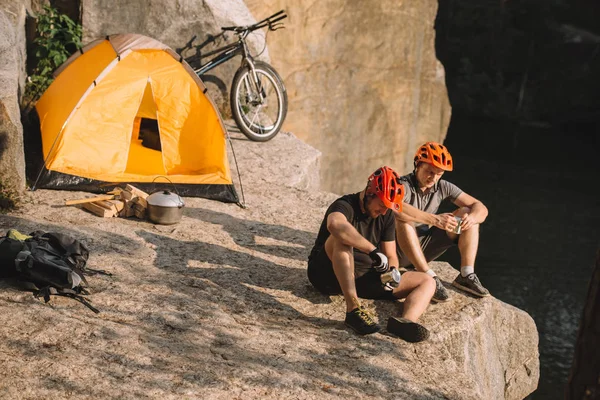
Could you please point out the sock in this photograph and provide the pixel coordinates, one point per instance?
(464, 271)
(431, 273)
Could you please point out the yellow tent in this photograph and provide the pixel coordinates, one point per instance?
(91, 115)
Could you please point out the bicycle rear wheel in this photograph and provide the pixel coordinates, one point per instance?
(258, 107)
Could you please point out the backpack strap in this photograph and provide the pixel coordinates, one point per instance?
(48, 291)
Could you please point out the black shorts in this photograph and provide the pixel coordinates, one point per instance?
(434, 244)
(322, 277)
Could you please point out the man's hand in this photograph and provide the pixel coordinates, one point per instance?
(467, 222)
(446, 221)
(380, 261)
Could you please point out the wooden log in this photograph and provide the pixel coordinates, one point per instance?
(140, 213)
(90, 199)
(141, 201)
(126, 196)
(98, 210)
(135, 191)
(114, 205)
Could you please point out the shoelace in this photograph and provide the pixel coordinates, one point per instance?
(366, 316)
(474, 278)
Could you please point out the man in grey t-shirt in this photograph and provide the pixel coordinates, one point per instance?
(423, 235)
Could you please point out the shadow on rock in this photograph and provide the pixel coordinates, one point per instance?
(245, 233)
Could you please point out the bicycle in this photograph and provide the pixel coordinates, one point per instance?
(258, 97)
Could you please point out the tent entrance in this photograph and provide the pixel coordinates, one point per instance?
(145, 150)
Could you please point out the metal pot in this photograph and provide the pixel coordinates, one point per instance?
(165, 207)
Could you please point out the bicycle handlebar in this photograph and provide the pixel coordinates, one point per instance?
(269, 21)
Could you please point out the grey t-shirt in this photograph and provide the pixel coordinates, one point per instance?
(430, 201)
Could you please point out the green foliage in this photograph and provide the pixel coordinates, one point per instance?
(58, 36)
(9, 198)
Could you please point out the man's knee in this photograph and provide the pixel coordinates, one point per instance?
(405, 227)
(335, 246)
(428, 284)
(460, 212)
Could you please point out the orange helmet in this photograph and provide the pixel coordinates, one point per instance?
(435, 154)
(385, 183)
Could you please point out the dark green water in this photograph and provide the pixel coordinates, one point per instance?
(538, 245)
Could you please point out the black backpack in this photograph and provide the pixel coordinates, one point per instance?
(52, 261)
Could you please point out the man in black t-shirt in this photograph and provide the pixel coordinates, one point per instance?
(356, 245)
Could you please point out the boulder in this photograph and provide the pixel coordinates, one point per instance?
(364, 84)
(285, 161)
(174, 23)
(12, 80)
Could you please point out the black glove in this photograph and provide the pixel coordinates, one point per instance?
(380, 261)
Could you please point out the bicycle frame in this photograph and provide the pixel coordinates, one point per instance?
(225, 54)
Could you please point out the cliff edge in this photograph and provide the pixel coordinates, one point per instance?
(219, 306)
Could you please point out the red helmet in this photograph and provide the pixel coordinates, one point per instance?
(435, 154)
(385, 183)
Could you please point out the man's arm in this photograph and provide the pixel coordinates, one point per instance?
(479, 211)
(413, 214)
(341, 229)
(389, 249)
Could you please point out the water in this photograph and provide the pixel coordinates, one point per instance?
(538, 245)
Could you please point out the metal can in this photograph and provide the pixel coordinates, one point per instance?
(458, 228)
(390, 279)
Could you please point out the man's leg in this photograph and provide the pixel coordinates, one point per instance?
(410, 246)
(468, 243)
(411, 252)
(342, 259)
(417, 288)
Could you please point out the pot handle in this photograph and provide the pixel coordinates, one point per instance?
(174, 187)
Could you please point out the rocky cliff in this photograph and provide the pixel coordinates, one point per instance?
(12, 83)
(363, 80)
(219, 306)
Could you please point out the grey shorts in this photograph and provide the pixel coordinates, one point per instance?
(433, 244)
(322, 277)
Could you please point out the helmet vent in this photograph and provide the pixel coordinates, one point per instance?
(436, 158)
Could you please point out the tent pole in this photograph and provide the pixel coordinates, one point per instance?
(243, 203)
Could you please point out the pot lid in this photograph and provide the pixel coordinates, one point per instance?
(165, 198)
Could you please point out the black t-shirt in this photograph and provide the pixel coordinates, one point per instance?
(375, 230)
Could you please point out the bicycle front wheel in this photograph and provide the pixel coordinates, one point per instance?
(258, 105)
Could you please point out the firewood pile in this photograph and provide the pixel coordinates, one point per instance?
(119, 202)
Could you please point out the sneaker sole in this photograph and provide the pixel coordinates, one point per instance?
(440, 300)
(407, 330)
(377, 329)
(469, 290)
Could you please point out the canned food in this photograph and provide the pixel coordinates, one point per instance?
(458, 226)
(390, 279)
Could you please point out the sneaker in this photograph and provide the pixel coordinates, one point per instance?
(471, 284)
(441, 293)
(361, 321)
(407, 330)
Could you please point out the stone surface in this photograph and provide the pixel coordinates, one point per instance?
(219, 306)
(174, 23)
(364, 84)
(12, 80)
(285, 161)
